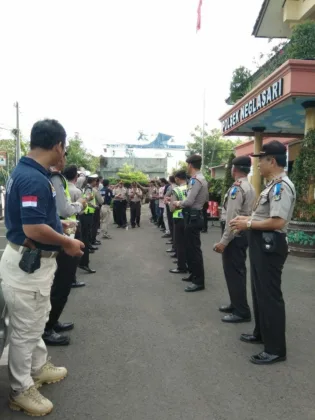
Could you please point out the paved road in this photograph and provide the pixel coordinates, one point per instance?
(142, 349)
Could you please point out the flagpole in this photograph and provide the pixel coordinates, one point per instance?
(203, 130)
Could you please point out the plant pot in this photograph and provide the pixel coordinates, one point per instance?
(301, 239)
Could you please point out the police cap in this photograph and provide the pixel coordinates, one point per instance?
(194, 159)
(274, 148)
(244, 161)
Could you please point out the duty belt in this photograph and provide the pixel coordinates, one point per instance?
(44, 254)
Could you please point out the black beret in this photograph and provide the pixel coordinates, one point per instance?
(194, 158)
(274, 148)
(242, 161)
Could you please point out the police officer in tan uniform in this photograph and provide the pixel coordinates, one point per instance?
(268, 250)
(192, 206)
(238, 201)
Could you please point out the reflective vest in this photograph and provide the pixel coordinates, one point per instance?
(89, 209)
(180, 193)
(67, 192)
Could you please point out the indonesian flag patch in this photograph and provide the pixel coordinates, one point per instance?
(29, 201)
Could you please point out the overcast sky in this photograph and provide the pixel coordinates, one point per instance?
(107, 69)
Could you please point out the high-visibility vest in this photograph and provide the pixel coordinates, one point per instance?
(180, 193)
(67, 193)
(89, 209)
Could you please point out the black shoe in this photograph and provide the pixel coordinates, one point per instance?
(173, 256)
(169, 243)
(66, 326)
(118, 227)
(170, 250)
(189, 278)
(133, 226)
(87, 269)
(97, 243)
(77, 284)
(51, 338)
(177, 271)
(264, 358)
(228, 309)
(91, 251)
(166, 235)
(138, 224)
(175, 261)
(250, 338)
(93, 248)
(194, 287)
(204, 231)
(234, 319)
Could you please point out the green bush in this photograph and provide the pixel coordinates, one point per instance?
(215, 189)
(302, 44)
(303, 175)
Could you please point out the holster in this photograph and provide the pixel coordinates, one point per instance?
(269, 241)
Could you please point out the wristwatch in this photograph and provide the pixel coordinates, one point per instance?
(249, 224)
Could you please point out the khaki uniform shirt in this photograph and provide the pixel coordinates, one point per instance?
(276, 200)
(197, 193)
(120, 191)
(98, 196)
(238, 201)
(135, 194)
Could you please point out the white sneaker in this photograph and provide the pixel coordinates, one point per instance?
(49, 374)
(32, 402)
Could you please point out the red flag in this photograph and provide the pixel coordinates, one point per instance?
(199, 15)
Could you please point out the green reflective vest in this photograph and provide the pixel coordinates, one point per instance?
(89, 209)
(67, 192)
(180, 193)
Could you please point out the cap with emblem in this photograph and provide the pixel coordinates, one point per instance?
(274, 148)
(93, 176)
(242, 161)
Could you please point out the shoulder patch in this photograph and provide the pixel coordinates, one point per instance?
(277, 191)
(233, 192)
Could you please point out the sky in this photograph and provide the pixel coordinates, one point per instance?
(107, 69)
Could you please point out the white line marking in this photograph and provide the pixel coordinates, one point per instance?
(5, 357)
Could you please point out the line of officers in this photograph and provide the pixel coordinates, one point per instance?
(246, 222)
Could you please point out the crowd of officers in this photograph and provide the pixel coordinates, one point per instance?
(53, 230)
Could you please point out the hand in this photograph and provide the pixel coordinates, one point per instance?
(83, 202)
(65, 225)
(239, 223)
(177, 204)
(219, 248)
(74, 248)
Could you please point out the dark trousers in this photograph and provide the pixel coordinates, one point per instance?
(86, 223)
(153, 212)
(64, 277)
(115, 215)
(121, 208)
(179, 240)
(96, 223)
(268, 303)
(135, 213)
(160, 219)
(205, 217)
(234, 266)
(194, 256)
(170, 220)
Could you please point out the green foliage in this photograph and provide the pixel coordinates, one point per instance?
(301, 238)
(216, 150)
(228, 179)
(78, 155)
(303, 176)
(127, 174)
(181, 166)
(240, 84)
(215, 189)
(302, 45)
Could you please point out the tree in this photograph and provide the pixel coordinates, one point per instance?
(78, 155)
(240, 84)
(181, 166)
(228, 179)
(216, 149)
(128, 175)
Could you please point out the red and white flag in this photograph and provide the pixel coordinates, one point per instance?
(199, 15)
(29, 201)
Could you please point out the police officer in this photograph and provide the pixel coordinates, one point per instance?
(192, 208)
(179, 193)
(66, 266)
(120, 203)
(268, 250)
(86, 220)
(32, 223)
(239, 200)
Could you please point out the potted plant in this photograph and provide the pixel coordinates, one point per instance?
(301, 232)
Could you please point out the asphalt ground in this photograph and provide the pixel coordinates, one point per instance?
(143, 349)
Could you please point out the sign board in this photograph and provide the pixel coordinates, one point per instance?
(3, 158)
(250, 108)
